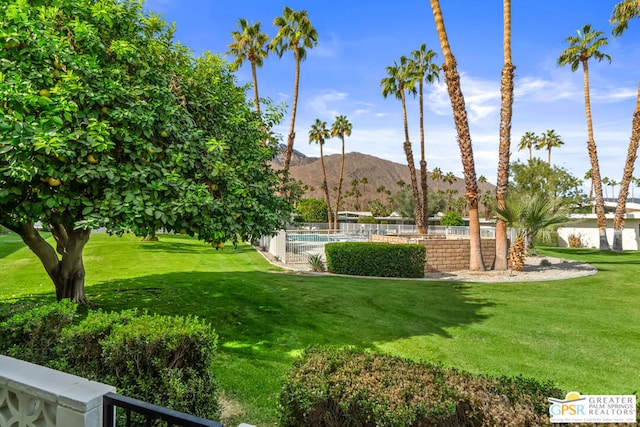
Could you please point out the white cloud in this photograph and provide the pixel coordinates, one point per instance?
(325, 104)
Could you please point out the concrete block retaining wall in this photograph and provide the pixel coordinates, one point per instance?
(444, 254)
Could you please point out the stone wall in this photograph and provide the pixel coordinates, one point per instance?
(444, 254)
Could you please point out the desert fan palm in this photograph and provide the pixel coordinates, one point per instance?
(250, 44)
(318, 134)
(424, 70)
(297, 34)
(400, 79)
(550, 139)
(582, 47)
(341, 127)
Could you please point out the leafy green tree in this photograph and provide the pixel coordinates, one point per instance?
(377, 208)
(538, 177)
(249, 44)
(312, 210)
(586, 45)
(452, 219)
(297, 34)
(106, 122)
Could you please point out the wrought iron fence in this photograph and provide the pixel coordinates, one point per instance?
(139, 413)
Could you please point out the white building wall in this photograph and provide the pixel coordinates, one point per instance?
(586, 226)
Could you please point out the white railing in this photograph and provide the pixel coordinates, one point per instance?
(295, 245)
(33, 396)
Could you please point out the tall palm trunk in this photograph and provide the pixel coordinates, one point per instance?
(452, 78)
(66, 273)
(294, 107)
(339, 195)
(423, 220)
(411, 164)
(326, 188)
(595, 168)
(504, 154)
(254, 74)
(627, 176)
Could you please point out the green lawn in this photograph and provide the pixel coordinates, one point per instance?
(583, 334)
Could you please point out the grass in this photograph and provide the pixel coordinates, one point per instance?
(581, 333)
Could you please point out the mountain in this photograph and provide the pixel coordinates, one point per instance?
(378, 172)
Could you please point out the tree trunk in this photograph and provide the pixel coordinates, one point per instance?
(292, 133)
(66, 273)
(424, 211)
(254, 74)
(504, 150)
(326, 187)
(595, 167)
(335, 223)
(452, 78)
(412, 167)
(627, 176)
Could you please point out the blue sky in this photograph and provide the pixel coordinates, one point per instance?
(358, 39)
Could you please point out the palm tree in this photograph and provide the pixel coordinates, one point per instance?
(340, 128)
(423, 71)
(504, 148)
(452, 78)
(528, 140)
(436, 175)
(623, 12)
(249, 44)
(364, 181)
(550, 139)
(532, 215)
(449, 178)
(318, 134)
(588, 175)
(399, 80)
(297, 34)
(606, 181)
(581, 48)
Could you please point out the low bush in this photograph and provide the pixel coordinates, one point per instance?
(32, 334)
(376, 259)
(166, 361)
(328, 387)
(79, 350)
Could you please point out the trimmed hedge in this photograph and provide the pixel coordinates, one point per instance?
(329, 387)
(165, 360)
(376, 259)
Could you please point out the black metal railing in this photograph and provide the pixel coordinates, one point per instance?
(138, 413)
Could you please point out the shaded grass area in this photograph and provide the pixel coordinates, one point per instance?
(581, 333)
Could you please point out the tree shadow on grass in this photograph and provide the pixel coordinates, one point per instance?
(173, 246)
(267, 315)
(9, 244)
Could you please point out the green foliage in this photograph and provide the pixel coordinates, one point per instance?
(79, 349)
(538, 177)
(534, 215)
(350, 387)
(368, 219)
(30, 335)
(164, 360)
(375, 259)
(312, 210)
(106, 122)
(316, 263)
(377, 208)
(451, 219)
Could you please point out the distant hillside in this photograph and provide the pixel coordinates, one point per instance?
(377, 171)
